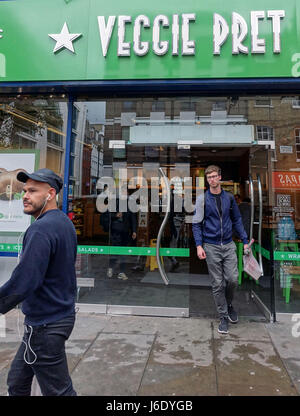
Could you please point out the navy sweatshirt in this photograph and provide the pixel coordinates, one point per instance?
(45, 279)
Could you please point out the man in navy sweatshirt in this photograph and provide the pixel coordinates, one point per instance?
(215, 217)
(45, 282)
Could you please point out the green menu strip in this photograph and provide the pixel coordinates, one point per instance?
(286, 255)
(10, 248)
(93, 249)
(133, 251)
(122, 251)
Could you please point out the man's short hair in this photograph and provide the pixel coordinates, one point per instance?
(211, 169)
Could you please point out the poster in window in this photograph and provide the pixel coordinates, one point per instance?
(12, 217)
(286, 180)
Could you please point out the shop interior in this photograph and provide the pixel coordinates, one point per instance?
(189, 280)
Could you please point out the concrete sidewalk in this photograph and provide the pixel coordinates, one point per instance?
(152, 356)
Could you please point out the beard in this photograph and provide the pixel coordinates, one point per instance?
(34, 209)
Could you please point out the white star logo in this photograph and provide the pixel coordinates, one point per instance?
(64, 39)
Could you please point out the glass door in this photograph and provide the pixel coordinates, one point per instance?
(262, 226)
(132, 245)
(148, 251)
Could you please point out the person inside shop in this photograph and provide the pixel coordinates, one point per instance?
(237, 198)
(44, 280)
(245, 210)
(215, 217)
(123, 227)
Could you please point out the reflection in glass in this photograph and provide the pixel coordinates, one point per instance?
(32, 136)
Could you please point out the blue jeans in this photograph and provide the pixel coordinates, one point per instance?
(42, 353)
(118, 239)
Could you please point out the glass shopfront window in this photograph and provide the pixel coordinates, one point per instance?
(146, 157)
(129, 148)
(32, 136)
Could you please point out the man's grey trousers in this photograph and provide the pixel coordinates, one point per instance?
(222, 267)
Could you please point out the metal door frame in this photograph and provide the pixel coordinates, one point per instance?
(269, 313)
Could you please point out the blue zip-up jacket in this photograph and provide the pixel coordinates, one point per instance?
(209, 227)
(45, 278)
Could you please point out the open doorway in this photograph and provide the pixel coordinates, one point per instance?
(176, 282)
(235, 164)
(154, 270)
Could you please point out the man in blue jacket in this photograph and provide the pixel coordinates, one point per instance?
(215, 217)
(45, 282)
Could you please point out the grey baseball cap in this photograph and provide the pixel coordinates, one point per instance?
(43, 175)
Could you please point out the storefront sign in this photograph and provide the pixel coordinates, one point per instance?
(286, 180)
(98, 40)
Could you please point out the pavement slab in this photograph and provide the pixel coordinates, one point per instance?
(249, 364)
(230, 389)
(124, 355)
(179, 366)
(181, 360)
(115, 363)
(285, 336)
(178, 380)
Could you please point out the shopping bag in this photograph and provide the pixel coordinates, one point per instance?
(251, 266)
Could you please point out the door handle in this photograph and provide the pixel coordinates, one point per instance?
(260, 219)
(252, 207)
(162, 227)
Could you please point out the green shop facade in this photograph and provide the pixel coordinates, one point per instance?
(130, 103)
